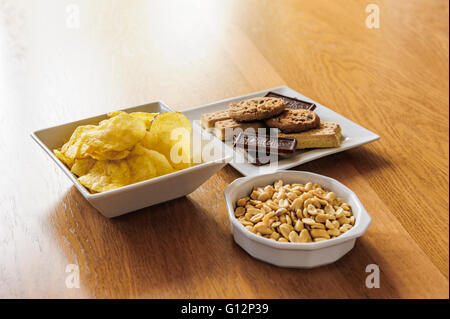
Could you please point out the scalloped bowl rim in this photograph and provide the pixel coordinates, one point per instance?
(362, 222)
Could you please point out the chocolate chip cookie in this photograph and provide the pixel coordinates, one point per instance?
(255, 109)
(294, 121)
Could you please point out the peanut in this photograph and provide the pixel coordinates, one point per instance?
(263, 229)
(294, 213)
(318, 233)
(256, 218)
(299, 225)
(293, 237)
(243, 201)
(239, 211)
(285, 229)
(304, 236)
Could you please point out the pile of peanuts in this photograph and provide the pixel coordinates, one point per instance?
(294, 213)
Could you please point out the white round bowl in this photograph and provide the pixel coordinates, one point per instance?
(295, 255)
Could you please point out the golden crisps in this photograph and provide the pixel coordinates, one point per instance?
(146, 117)
(145, 164)
(72, 148)
(109, 155)
(170, 134)
(110, 140)
(115, 113)
(118, 134)
(82, 166)
(63, 158)
(140, 168)
(106, 175)
(127, 148)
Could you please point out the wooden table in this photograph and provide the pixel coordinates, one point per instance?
(66, 60)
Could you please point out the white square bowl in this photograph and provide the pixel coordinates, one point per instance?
(295, 255)
(135, 196)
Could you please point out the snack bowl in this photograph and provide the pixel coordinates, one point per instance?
(295, 255)
(132, 197)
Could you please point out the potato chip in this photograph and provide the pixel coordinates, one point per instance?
(109, 155)
(63, 158)
(146, 117)
(110, 140)
(141, 168)
(127, 148)
(119, 133)
(161, 163)
(147, 141)
(115, 113)
(82, 166)
(72, 149)
(106, 175)
(145, 164)
(170, 136)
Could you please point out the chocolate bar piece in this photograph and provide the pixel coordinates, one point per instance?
(293, 103)
(263, 149)
(256, 158)
(265, 143)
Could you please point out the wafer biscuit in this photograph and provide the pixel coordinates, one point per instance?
(220, 127)
(328, 134)
(209, 119)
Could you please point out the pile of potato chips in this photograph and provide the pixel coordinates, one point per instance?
(127, 148)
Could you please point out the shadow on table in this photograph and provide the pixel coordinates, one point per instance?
(346, 278)
(363, 159)
(184, 249)
(159, 251)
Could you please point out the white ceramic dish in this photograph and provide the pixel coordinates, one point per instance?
(295, 255)
(353, 134)
(136, 196)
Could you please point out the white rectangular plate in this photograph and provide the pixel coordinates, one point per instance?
(353, 134)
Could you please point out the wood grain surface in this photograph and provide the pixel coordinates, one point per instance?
(64, 60)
